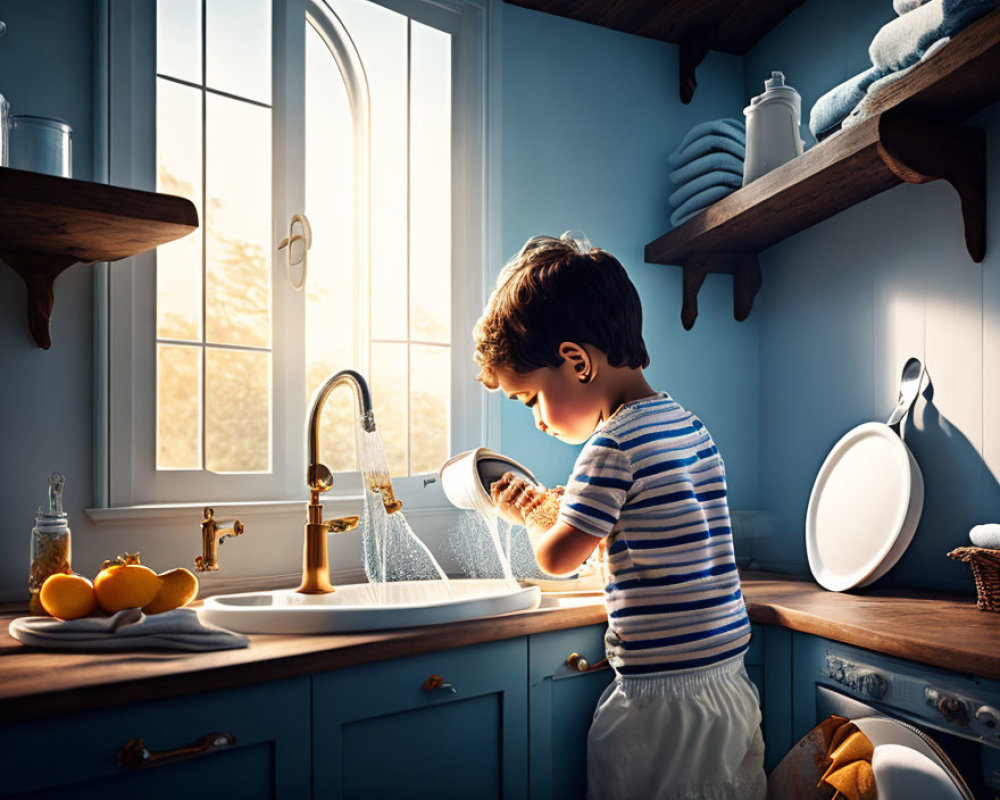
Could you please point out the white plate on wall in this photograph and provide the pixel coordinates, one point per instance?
(864, 508)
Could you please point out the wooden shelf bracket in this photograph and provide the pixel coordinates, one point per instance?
(747, 281)
(691, 51)
(39, 271)
(917, 151)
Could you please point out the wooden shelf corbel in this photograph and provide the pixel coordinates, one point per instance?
(917, 151)
(746, 282)
(691, 51)
(39, 272)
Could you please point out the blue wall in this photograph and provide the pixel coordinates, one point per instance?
(46, 405)
(847, 301)
(589, 117)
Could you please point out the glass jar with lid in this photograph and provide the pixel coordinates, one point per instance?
(50, 543)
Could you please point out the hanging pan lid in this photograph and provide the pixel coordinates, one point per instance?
(867, 499)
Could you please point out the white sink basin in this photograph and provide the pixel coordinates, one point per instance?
(353, 607)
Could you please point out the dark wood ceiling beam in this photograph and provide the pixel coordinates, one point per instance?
(730, 26)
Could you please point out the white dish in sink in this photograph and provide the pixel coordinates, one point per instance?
(354, 608)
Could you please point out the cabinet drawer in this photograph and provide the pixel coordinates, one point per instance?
(547, 652)
(465, 738)
(268, 758)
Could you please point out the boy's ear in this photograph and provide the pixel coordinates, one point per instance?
(579, 359)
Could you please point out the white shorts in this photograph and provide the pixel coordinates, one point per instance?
(686, 735)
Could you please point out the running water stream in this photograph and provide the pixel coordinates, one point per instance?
(392, 552)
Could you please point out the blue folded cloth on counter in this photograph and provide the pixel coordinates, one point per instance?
(903, 41)
(735, 129)
(712, 162)
(129, 629)
(699, 202)
(830, 110)
(703, 145)
(715, 178)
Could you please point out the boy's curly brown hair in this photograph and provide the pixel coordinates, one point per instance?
(554, 291)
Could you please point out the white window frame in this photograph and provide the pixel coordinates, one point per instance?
(125, 475)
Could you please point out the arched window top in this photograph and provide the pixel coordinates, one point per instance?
(337, 38)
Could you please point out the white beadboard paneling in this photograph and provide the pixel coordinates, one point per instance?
(990, 120)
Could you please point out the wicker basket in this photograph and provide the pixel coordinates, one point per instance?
(985, 565)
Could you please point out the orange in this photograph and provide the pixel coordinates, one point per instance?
(179, 588)
(68, 596)
(126, 586)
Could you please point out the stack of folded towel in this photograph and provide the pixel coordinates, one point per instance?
(707, 166)
(922, 28)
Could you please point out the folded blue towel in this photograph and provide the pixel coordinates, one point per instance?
(702, 182)
(864, 109)
(712, 162)
(713, 143)
(904, 40)
(831, 108)
(733, 128)
(699, 202)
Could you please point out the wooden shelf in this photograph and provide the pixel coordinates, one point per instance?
(48, 224)
(912, 137)
(732, 26)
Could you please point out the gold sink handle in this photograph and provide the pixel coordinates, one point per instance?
(213, 533)
(342, 524)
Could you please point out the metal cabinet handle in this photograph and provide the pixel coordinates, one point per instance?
(435, 682)
(577, 662)
(135, 755)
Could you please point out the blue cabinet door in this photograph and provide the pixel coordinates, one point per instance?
(75, 756)
(562, 703)
(379, 733)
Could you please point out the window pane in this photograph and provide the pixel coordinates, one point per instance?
(238, 219)
(178, 39)
(430, 389)
(380, 36)
(430, 185)
(237, 411)
(389, 398)
(238, 47)
(333, 289)
(178, 407)
(178, 171)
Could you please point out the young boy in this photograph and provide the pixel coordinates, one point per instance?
(562, 333)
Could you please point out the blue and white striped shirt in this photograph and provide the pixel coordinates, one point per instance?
(653, 482)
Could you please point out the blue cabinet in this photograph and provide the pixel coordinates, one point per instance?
(75, 755)
(561, 704)
(383, 730)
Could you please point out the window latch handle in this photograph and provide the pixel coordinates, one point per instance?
(287, 244)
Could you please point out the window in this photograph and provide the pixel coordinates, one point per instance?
(367, 117)
(396, 323)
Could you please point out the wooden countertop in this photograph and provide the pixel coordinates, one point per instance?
(945, 631)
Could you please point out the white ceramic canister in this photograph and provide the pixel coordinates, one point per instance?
(772, 128)
(466, 478)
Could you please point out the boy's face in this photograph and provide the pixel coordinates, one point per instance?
(563, 406)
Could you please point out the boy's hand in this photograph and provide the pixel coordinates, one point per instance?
(514, 497)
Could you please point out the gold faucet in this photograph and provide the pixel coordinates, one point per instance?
(315, 557)
(212, 535)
